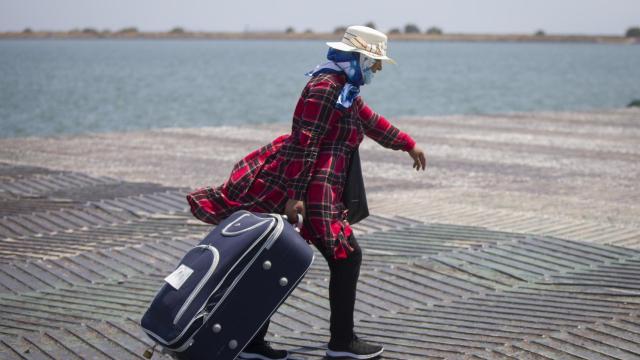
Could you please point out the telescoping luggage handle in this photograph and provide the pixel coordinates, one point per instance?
(298, 225)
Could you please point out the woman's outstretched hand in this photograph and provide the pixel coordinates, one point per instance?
(292, 209)
(419, 158)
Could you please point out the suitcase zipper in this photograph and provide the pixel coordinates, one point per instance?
(279, 226)
(207, 315)
(268, 243)
(227, 232)
(270, 240)
(214, 264)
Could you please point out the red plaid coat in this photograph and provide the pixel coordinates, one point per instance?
(310, 164)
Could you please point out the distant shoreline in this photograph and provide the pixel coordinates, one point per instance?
(605, 39)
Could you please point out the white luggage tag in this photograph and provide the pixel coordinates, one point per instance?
(179, 276)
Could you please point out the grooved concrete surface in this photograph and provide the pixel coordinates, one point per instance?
(521, 241)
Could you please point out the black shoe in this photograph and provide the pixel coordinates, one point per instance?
(263, 351)
(355, 349)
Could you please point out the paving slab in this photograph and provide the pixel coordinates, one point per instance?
(520, 242)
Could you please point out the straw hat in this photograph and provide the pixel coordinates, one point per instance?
(364, 40)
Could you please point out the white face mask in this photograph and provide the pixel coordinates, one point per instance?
(366, 63)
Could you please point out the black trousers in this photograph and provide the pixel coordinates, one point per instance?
(342, 294)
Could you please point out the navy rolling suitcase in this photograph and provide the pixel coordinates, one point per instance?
(226, 287)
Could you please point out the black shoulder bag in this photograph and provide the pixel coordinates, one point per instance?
(353, 195)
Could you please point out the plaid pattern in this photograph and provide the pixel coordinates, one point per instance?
(310, 164)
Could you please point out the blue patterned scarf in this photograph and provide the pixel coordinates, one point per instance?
(346, 62)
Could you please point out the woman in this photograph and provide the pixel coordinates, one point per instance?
(305, 171)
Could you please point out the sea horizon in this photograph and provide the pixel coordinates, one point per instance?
(87, 86)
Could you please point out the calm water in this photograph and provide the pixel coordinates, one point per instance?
(75, 86)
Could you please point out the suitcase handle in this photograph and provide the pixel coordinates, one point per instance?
(298, 225)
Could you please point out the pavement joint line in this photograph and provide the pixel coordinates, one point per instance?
(483, 212)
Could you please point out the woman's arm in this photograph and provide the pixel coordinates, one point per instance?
(316, 113)
(380, 129)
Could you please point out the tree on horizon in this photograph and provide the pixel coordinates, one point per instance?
(340, 30)
(90, 31)
(434, 30)
(633, 32)
(411, 29)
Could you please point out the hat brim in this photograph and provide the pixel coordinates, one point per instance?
(344, 47)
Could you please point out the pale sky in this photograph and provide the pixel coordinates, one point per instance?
(468, 16)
